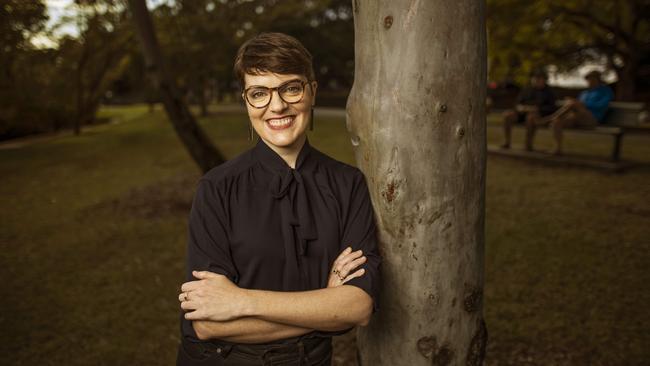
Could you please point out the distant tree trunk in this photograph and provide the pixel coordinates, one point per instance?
(626, 85)
(79, 90)
(416, 115)
(195, 140)
(200, 94)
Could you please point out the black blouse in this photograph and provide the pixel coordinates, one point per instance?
(268, 226)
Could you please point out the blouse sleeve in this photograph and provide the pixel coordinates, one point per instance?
(360, 232)
(208, 245)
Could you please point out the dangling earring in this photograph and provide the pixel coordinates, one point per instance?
(311, 120)
(250, 132)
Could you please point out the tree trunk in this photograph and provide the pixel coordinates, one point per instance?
(79, 90)
(200, 94)
(195, 140)
(416, 115)
(626, 85)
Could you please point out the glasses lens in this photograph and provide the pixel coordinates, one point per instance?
(258, 97)
(292, 91)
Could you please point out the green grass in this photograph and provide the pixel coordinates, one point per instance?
(93, 234)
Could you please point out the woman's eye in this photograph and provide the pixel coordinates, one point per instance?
(292, 89)
(258, 94)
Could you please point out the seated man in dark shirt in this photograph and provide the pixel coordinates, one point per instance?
(533, 103)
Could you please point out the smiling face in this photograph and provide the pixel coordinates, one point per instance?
(282, 125)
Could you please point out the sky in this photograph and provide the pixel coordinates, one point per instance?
(58, 8)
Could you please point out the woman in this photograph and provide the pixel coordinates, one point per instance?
(282, 250)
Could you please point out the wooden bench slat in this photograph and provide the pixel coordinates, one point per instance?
(620, 118)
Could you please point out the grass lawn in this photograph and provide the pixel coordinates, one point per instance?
(93, 237)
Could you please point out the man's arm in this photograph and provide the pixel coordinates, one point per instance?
(246, 330)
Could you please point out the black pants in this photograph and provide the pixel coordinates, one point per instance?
(309, 351)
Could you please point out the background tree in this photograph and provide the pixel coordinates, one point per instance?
(416, 114)
(525, 35)
(100, 54)
(193, 137)
(21, 86)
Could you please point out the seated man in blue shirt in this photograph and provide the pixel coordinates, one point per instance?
(586, 111)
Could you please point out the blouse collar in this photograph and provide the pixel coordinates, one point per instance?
(271, 159)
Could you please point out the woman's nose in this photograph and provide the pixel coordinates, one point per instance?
(277, 104)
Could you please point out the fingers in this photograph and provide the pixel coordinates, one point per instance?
(183, 296)
(189, 286)
(201, 275)
(356, 274)
(205, 274)
(194, 315)
(353, 264)
(345, 252)
(348, 258)
(189, 305)
(350, 262)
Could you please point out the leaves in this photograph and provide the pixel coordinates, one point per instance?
(527, 34)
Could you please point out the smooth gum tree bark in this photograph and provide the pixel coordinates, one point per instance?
(416, 116)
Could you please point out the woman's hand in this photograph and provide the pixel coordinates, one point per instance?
(343, 265)
(212, 297)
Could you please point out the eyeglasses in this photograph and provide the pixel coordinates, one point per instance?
(290, 92)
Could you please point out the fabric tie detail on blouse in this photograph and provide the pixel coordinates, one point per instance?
(290, 184)
(287, 185)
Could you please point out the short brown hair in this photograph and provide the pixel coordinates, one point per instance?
(273, 52)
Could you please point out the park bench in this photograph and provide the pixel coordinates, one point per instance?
(621, 118)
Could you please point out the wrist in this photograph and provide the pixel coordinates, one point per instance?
(249, 304)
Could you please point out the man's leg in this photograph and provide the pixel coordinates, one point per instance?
(560, 112)
(558, 124)
(583, 116)
(509, 119)
(532, 121)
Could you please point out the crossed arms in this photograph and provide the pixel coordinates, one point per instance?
(220, 309)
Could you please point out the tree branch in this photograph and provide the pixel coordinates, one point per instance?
(629, 39)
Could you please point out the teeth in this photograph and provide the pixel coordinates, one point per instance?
(280, 122)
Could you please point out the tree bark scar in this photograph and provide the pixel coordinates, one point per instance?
(389, 193)
(440, 356)
(388, 21)
(472, 301)
(476, 353)
(444, 357)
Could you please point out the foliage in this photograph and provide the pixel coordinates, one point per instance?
(201, 37)
(524, 35)
(46, 89)
(24, 71)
